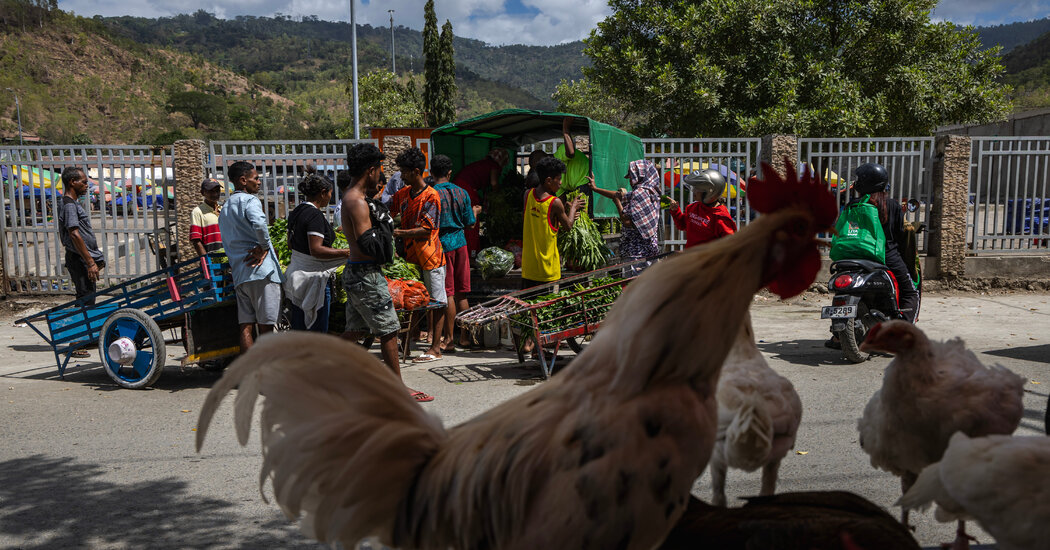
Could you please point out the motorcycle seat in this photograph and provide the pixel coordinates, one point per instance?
(857, 265)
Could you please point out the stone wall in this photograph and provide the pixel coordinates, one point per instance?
(392, 147)
(950, 200)
(190, 156)
(776, 147)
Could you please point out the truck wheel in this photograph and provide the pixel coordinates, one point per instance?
(131, 346)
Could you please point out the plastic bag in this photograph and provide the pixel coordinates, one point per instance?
(858, 234)
(495, 262)
(407, 294)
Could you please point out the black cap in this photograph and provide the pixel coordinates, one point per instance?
(209, 184)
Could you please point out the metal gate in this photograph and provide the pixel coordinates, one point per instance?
(281, 164)
(909, 161)
(735, 158)
(131, 189)
(1009, 206)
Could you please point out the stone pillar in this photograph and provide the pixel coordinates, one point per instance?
(392, 147)
(190, 156)
(949, 204)
(777, 146)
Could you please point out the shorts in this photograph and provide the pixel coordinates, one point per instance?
(457, 271)
(258, 302)
(368, 304)
(434, 280)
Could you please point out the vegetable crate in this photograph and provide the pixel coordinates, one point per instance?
(563, 311)
(127, 320)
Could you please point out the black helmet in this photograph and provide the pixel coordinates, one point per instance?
(870, 178)
(707, 184)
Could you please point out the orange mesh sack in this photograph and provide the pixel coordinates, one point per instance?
(397, 294)
(414, 294)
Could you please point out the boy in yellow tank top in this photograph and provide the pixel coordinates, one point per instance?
(544, 215)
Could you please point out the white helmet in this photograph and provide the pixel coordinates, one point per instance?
(708, 184)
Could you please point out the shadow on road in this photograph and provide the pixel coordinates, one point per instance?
(510, 370)
(62, 503)
(810, 353)
(89, 372)
(1036, 354)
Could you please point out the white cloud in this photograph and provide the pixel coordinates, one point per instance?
(558, 21)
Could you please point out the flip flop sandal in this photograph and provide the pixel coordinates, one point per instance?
(421, 397)
(425, 358)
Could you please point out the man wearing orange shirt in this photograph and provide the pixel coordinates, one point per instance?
(419, 206)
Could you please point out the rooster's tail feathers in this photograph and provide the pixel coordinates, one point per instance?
(342, 440)
(749, 435)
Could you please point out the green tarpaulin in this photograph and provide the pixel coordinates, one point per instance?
(611, 149)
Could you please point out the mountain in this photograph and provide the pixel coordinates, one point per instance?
(1012, 35)
(291, 54)
(1028, 72)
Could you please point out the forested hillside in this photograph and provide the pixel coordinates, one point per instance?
(1012, 35)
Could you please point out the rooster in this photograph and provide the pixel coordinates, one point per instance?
(828, 520)
(758, 416)
(999, 480)
(602, 456)
(931, 390)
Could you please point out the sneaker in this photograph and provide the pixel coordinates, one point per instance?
(832, 343)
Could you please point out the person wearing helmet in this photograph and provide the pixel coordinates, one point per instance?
(871, 183)
(707, 218)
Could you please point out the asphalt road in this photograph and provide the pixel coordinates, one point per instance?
(85, 464)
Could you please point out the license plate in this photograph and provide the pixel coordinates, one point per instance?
(838, 312)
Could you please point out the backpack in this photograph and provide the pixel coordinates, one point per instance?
(858, 233)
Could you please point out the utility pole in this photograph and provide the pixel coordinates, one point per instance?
(393, 63)
(18, 112)
(353, 56)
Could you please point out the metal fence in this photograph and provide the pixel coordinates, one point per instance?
(909, 161)
(1009, 206)
(131, 190)
(281, 165)
(735, 158)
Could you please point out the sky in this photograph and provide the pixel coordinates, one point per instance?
(497, 22)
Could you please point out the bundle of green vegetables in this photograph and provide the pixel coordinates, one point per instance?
(571, 311)
(582, 247)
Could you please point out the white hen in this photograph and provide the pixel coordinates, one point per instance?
(930, 391)
(1003, 482)
(758, 416)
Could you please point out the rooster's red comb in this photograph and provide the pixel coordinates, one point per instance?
(772, 193)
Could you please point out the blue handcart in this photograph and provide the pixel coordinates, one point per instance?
(127, 321)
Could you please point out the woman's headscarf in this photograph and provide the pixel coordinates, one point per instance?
(643, 205)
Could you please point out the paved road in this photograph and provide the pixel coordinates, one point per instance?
(86, 464)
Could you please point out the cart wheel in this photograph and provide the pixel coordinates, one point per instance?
(131, 346)
(575, 344)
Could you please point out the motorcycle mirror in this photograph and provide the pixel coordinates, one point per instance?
(913, 205)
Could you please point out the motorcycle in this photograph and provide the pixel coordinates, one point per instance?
(865, 294)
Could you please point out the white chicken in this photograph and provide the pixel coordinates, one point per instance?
(758, 416)
(931, 390)
(1003, 482)
(602, 456)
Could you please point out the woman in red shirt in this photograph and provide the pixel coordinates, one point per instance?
(706, 219)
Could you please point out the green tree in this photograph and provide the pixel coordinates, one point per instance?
(807, 67)
(385, 101)
(445, 108)
(584, 97)
(200, 107)
(431, 64)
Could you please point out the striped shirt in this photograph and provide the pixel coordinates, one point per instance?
(204, 225)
